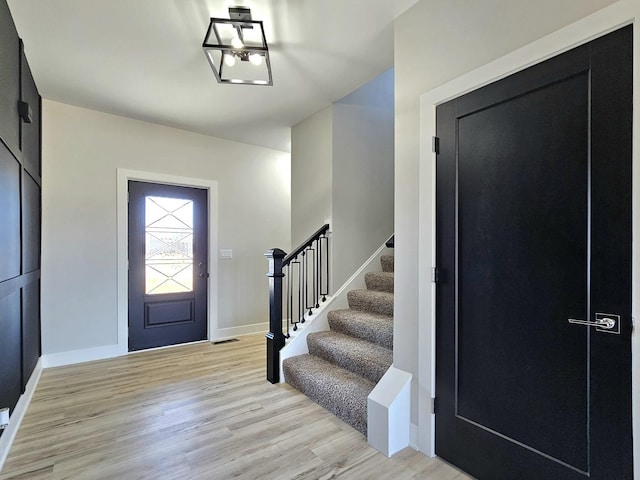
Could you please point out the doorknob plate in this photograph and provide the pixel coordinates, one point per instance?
(615, 329)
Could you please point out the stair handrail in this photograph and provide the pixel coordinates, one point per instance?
(280, 267)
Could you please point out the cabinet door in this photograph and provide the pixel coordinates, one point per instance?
(10, 251)
(10, 350)
(9, 79)
(30, 132)
(30, 224)
(30, 329)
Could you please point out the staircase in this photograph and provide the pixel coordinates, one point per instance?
(345, 363)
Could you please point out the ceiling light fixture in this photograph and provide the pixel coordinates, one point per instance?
(238, 37)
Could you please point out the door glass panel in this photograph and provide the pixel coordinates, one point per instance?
(169, 245)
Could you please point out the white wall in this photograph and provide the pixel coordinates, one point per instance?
(342, 169)
(81, 151)
(311, 167)
(436, 42)
(362, 175)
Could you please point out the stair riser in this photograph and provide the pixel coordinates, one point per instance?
(366, 303)
(380, 283)
(380, 332)
(387, 262)
(371, 367)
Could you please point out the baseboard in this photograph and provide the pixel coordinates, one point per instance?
(231, 332)
(51, 360)
(80, 356)
(9, 435)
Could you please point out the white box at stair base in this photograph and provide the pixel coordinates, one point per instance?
(389, 412)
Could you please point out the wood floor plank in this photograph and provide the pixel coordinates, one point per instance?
(198, 411)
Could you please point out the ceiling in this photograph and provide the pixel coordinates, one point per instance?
(143, 59)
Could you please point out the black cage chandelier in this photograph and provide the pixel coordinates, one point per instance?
(237, 50)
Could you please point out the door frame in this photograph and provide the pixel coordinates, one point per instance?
(604, 21)
(122, 197)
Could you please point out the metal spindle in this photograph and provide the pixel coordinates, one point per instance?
(305, 285)
(314, 263)
(293, 288)
(300, 291)
(325, 291)
(286, 296)
(308, 304)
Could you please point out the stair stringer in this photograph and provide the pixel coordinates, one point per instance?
(318, 322)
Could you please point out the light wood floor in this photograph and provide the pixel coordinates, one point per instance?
(192, 412)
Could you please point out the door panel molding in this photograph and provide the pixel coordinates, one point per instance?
(123, 177)
(583, 31)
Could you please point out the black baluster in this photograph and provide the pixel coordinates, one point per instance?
(293, 287)
(300, 308)
(325, 291)
(316, 296)
(286, 296)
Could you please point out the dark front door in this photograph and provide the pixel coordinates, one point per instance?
(168, 258)
(533, 245)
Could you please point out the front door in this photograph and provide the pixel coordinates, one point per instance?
(168, 259)
(533, 329)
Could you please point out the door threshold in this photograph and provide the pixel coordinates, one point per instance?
(166, 347)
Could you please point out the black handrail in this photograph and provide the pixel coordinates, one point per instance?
(306, 287)
(321, 231)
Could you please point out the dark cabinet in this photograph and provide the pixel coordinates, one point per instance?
(9, 80)
(30, 224)
(10, 356)
(29, 127)
(30, 329)
(10, 250)
(20, 215)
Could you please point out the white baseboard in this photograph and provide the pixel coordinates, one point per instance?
(80, 356)
(110, 351)
(221, 334)
(9, 434)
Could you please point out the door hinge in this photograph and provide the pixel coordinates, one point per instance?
(434, 275)
(433, 405)
(435, 145)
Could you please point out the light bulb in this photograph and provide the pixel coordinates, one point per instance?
(255, 58)
(229, 60)
(236, 43)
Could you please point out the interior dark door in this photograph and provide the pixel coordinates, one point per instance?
(168, 258)
(534, 229)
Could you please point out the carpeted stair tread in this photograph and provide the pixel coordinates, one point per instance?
(369, 326)
(371, 301)
(354, 354)
(379, 281)
(341, 392)
(387, 263)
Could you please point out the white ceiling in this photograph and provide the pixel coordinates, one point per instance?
(143, 59)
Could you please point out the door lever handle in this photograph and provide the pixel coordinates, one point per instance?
(604, 322)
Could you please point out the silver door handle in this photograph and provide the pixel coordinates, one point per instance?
(604, 322)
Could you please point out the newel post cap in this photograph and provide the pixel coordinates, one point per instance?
(276, 253)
